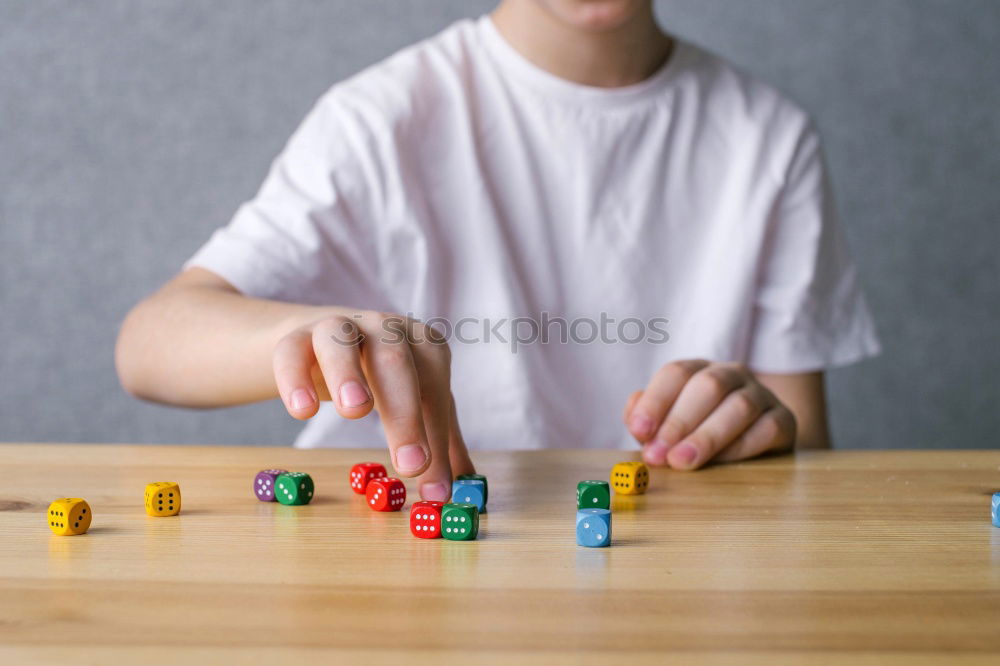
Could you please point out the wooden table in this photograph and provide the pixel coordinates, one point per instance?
(868, 556)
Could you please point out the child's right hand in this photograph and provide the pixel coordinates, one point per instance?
(396, 365)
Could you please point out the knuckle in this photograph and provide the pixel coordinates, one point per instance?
(744, 405)
(436, 338)
(738, 369)
(777, 426)
(714, 381)
(293, 337)
(375, 320)
(440, 351)
(338, 329)
(401, 420)
(703, 439)
(680, 371)
(284, 344)
(786, 422)
(394, 357)
(429, 336)
(289, 347)
(332, 320)
(768, 428)
(403, 427)
(675, 426)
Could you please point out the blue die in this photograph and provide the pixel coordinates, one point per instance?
(995, 513)
(469, 491)
(593, 528)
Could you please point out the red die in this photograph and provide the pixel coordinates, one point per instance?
(363, 473)
(388, 494)
(425, 519)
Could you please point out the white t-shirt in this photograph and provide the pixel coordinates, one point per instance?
(457, 180)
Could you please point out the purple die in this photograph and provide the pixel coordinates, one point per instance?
(263, 484)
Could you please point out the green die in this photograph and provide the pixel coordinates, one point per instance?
(293, 488)
(477, 477)
(593, 495)
(459, 522)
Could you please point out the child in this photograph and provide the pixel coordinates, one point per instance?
(557, 167)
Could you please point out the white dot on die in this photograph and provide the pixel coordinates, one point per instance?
(462, 519)
(373, 501)
(600, 537)
(260, 491)
(586, 526)
(260, 482)
(595, 500)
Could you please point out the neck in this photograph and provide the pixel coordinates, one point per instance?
(621, 56)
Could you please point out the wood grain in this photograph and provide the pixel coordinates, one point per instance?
(872, 557)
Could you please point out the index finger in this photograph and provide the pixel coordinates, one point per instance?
(654, 403)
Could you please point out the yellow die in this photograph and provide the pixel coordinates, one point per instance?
(68, 516)
(629, 478)
(163, 498)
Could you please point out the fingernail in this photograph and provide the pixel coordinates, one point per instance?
(435, 491)
(655, 453)
(641, 426)
(410, 458)
(683, 455)
(352, 394)
(302, 398)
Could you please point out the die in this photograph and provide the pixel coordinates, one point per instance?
(477, 477)
(363, 473)
(263, 484)
(163, 498)
(294, 488)
(425, 519)
(593, 495)
(630, 478)
(593, 528)
(469, 491)
(995, 513)
(387, 494)
(459, 521)
(69, 516)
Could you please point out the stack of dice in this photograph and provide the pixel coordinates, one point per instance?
(291, 488)
(593, 514)
(382, 492)
(459, 519)
(593, 502)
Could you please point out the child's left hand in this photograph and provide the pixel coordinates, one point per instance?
(696, 411)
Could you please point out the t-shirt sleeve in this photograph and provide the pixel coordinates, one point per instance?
(307, 236)
(809, 312)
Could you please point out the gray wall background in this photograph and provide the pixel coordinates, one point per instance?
(130, 129)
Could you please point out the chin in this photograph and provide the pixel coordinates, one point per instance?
(595, 15)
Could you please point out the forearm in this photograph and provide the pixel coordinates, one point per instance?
(197, 342)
